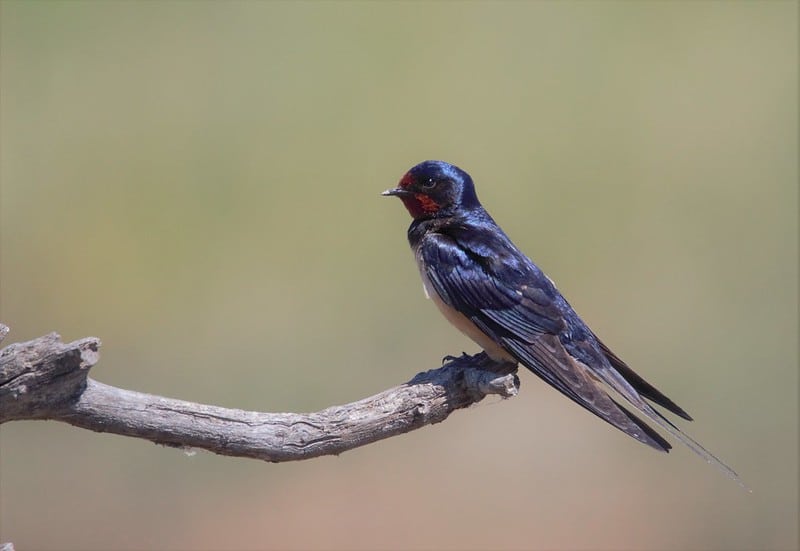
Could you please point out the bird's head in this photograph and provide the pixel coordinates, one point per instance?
(435, 189)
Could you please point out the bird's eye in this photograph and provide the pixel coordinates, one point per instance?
(429, 183)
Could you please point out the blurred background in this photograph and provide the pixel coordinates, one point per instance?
(197, 184)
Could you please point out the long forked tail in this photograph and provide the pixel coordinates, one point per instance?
(634, 389)
(692, 444)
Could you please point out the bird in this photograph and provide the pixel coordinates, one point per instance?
(494, 294)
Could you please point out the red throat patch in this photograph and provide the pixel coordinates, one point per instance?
(427, 204)
(419, 204)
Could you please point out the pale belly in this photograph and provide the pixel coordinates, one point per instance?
(463, 323)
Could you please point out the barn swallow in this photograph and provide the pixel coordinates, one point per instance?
(494, 294)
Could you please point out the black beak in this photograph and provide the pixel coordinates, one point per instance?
(396, 192)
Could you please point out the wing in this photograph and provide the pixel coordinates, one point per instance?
(510, 300)
(507, 297)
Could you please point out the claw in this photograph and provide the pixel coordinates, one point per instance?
(450, 358)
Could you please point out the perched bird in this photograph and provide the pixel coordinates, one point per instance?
(500, 299)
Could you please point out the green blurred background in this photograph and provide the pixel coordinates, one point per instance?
(198, 184)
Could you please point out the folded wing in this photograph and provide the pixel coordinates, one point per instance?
(513, 302)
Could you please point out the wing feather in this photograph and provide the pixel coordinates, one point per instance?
(642, 387)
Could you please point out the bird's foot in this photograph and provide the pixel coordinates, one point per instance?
(481, 360)
(463, 357)
(484, 361)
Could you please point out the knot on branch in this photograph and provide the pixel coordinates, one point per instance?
(38, 376)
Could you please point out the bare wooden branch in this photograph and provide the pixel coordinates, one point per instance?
(47, 379)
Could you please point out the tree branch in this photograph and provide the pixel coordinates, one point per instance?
(47, 379)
